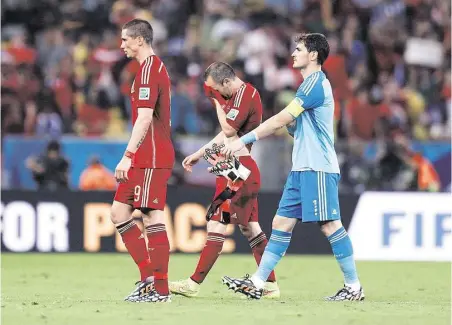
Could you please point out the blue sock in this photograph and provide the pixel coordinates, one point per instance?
(343, 251)
(275, 250)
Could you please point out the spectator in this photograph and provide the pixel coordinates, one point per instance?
(50, 170)
(183, 112)
(97, 177)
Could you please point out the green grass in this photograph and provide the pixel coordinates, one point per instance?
(77, 289)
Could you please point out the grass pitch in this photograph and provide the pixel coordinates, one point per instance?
(85, 289)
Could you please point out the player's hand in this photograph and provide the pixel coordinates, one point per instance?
(232, 169)
(122, 169)
(213, 155)
(191, 160)
(231, 148)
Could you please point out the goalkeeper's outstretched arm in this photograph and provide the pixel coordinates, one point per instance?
(283, 118)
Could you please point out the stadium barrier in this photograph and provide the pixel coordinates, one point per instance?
(66, 221)
(383, 226)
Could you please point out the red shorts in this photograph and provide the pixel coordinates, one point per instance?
(243, 207)
(146, 188)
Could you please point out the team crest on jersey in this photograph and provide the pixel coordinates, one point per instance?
(143, 93)
(232, 114)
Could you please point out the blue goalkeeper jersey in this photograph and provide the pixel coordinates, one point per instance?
(314, 134)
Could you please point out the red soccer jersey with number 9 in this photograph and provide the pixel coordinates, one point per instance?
(151, 89)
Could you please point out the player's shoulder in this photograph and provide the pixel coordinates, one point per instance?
(314, 83)
(152, 65)
(249, 93)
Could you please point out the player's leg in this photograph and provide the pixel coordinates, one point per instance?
(151, 199)
(159, 251)
(258, 241)
(342, 248)
(321, 204)
(216, 228)
(289, 211)
(137, 217)
(131, 235)
(212, 249)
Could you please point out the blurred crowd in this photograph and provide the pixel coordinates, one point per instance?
(390, 63)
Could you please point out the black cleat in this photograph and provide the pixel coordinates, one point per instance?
(244, 286)
(154, 296)
(142, 289)
(346, 293)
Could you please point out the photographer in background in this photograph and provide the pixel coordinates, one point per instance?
(50, 171)
(402, 169)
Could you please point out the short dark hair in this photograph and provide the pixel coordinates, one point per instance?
(315, 42)
(219, 71)
(53, 145)
(140, 27)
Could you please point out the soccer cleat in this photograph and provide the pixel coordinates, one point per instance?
(346, 293)
(271, 291)
(142, 289)
(187, 288)
(244, 286)
(154, 297)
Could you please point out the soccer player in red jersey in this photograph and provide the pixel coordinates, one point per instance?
(239, 109)
(145, 168)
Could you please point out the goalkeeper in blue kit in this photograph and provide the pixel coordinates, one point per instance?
(311, 190)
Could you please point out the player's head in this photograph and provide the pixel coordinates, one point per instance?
(136, 34)
(220, 76)
(311, 49)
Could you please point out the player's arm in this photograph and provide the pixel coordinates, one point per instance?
(283, 118)
(218, 140)
(297, 106)
(226, 128)
(148, 93)
(193, 159)
(140, 129)
(305, 99)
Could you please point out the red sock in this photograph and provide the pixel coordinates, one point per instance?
(159, 248)
(257, 245)
(209, 255)
(136, 246)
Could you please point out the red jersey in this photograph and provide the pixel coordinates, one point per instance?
(243, 110)
(151, 88)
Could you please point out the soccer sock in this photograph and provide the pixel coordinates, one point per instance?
(275, 250)
(209, 255)
(258, 245)
(159, 248)
(136, 246)
(343, 251)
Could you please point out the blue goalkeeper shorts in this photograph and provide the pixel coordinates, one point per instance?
(310, 196)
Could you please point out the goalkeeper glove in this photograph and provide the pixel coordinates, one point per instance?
(231, 168)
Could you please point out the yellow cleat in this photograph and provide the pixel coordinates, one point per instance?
(187, 288)
(271, 291)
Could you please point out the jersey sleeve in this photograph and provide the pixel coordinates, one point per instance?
(310, 96)
(148, 84)
(237, 117)
(307, 97)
